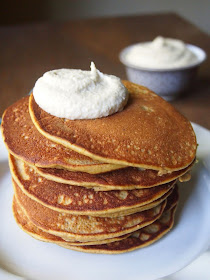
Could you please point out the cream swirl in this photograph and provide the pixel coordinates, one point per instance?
(77, 94)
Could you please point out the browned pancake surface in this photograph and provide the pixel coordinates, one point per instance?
(24, 141)
(26, 225)
(138, 239)
(80, 200)
(84, 228)
(123, 179)
(148, 133)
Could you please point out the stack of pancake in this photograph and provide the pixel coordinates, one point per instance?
(105, 185)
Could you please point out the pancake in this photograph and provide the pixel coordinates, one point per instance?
(138, 239)
(128, 178)
(24, 141)
(84, 228)
(149, 133)
(82, 201)
(46, 153)
(27, 226)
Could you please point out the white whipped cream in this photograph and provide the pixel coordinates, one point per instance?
(161, 53)
(76, 94)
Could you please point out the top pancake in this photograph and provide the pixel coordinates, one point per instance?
(148, 133)
(25, 142)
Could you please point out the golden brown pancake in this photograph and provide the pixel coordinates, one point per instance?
(26, 225)
(128, 178)
(84, 228)
(149, 133)
(25, 142)
(138, 239)
(82, 201)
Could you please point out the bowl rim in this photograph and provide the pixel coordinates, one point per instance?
(195, 49)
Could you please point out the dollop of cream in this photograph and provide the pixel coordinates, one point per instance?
(161, 53)
(77, 94)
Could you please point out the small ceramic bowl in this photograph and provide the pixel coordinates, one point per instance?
(168, 83)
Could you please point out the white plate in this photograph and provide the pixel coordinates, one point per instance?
(32, 259)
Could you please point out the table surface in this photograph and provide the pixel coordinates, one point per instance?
(27, 51)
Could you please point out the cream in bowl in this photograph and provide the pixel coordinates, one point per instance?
(167, 66)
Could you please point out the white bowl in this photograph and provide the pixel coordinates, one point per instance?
(168, 83)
